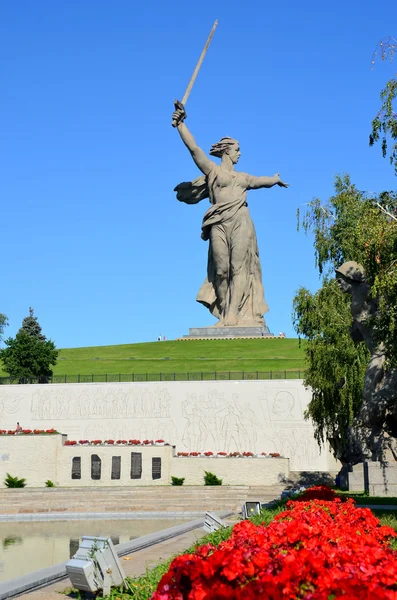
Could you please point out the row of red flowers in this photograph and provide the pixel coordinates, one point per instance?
(111, 442)
(319, 548)
(26, 431)
(231, 454)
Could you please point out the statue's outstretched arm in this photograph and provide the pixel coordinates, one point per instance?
(255, 183)
(202, 161)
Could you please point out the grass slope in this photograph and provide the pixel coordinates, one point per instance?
(194, 356)
(183, 356)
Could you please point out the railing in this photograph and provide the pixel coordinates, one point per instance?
(141, 377)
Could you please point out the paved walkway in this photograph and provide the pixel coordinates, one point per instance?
(133, 564)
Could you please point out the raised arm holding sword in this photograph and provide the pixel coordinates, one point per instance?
(233, 290)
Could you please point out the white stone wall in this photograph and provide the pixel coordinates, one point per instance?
(42, 457)
(257, 416)
(29, 456)
(232, 471)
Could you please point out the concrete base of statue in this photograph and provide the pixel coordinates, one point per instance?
(374, 478)
(237, 331)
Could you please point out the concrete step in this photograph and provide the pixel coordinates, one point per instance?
(135, 499)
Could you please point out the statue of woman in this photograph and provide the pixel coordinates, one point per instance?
(233, 290)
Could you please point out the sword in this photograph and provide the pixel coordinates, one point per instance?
(195, 72)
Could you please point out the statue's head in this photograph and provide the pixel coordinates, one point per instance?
(229, 146)
(349, 274)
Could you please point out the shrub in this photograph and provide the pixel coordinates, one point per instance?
(177, 480)
(211, 479)
(14, 482)
(49, 483)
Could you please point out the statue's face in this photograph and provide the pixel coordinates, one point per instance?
(234, 153)
(344, 284)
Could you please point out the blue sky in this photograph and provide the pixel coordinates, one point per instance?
(92, 236)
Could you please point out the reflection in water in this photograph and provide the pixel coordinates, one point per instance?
(27, 547)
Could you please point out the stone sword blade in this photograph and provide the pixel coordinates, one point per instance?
(196, 70)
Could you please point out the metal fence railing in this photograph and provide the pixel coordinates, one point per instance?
(141, 377)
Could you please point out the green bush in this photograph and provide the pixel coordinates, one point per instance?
(211, 479)
(177, 480)
(14, 482)
(49, 483)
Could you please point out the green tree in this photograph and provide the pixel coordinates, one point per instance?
(384, 125)
(350, 226)
(32, 327)
(29, 356)
(3, 324)
(336, 366)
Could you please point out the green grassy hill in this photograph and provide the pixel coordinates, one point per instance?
(177, 356)
(262, 354)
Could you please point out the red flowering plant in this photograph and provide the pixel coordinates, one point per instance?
(134, 442)
(111, 442)
(222, 453)
(314, 550)
(234, 454)
(26, 431)
(84, 442)
(11, 432)
(70, 443)
(96, 442)
(208, 453)
(194, 453)
(263, 454)
(38, 431)
(147, 442)
(52, 430)
(183, 454)
(248, 454)
(274, 454)
(159, 441)
(121, 442)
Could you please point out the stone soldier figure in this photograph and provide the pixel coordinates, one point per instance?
(378, 413)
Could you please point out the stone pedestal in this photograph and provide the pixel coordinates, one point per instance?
(375, 478)
(228, 332)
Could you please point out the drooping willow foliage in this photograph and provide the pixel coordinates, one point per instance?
(336, 366)
(384, 125)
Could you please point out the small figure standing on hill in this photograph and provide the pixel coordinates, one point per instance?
(18, 428)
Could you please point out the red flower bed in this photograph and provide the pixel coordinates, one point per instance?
(318, 549)
(70, 443)
(109, 441)
(134, 442)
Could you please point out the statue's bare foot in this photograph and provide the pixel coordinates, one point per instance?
(230, 320)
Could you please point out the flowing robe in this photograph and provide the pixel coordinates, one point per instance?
(228, 227)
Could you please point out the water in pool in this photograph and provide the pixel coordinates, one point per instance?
(27, 547)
